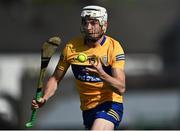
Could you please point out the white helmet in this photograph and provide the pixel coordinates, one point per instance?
(96, 12)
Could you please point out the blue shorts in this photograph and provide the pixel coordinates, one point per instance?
(111, 111)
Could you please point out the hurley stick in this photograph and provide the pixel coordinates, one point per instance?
(47, 51)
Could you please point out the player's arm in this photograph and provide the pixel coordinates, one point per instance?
(117, 80)
(52, 83)
(50, 88)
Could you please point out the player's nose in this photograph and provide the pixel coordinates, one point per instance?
(88, 26)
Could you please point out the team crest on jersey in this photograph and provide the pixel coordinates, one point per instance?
(104, 60)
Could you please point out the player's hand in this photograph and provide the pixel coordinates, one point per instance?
(38, 104)
(97, 67)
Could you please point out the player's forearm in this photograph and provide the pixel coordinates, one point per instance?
(115, 82)
(50, 88)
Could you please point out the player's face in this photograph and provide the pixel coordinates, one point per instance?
(92, 29)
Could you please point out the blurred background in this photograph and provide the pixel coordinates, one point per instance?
(150, 34)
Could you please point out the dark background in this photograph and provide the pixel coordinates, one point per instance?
(150, 34)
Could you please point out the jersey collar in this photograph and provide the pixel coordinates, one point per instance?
(103, 40)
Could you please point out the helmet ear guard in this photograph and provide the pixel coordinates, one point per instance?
(104, 27)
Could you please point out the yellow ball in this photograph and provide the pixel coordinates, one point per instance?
(82, 57)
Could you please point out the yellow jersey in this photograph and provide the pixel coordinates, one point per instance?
(92, 90)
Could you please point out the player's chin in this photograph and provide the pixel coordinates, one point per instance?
(94, 37)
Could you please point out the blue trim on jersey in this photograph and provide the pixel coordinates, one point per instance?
(81, 74)
(120, 57)
(111, 111)
(103, 41)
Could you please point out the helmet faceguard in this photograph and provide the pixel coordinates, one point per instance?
(97, 13)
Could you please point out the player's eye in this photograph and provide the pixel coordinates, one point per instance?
(86, 22)
(93, 22)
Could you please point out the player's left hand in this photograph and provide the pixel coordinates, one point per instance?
(97, 67)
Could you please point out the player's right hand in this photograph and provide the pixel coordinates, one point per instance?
(38, 104)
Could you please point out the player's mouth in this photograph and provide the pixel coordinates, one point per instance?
(92, 34)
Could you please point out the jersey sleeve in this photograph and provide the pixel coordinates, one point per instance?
(118, 56)
(63, 63)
